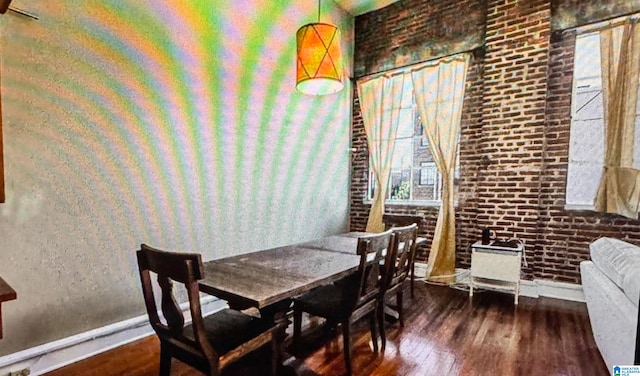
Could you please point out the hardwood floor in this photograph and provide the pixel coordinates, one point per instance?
(445, 334)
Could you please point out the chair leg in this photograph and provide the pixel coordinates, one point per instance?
(297, 325)
(165, 361)
(399, 307)
(373, 326)
(346, 336)
(383, 336)
(413, 277)
(275, 354)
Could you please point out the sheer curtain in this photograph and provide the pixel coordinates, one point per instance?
(619, 190)
(379, 101)
(439, 93)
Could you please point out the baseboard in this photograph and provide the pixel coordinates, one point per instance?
(560, 290)
(53, 355)
(533, 289)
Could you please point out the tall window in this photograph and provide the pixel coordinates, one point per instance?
(587, 144)
(414, 175)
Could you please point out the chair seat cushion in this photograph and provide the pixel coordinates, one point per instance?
(228, 329)
(329, 301)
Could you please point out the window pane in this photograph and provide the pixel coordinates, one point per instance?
(586, 71)
(400, 180)
(586, 150)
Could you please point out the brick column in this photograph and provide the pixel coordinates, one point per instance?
(513, 109)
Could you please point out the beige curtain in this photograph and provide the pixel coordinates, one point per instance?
(439, 93)
(380, 100)
(619, 190)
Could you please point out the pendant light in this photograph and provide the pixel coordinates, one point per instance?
(319, 69)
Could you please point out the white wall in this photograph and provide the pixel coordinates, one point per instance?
(174, 123)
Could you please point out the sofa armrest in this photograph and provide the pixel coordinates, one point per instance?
(637, 357)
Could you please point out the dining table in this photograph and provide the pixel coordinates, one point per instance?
(268, 279)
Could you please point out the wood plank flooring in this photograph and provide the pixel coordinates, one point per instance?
(445, 333)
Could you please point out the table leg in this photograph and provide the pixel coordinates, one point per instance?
(277, 313)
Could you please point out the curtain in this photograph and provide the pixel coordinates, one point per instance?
(380, 100)
(439, 93)
(619, 189)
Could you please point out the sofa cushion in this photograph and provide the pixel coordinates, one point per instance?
(620, 261)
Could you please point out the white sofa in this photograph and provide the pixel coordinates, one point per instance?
(611, 284)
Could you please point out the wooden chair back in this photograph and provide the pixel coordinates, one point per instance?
(401, 220)
(371, 249)
(170, 267)
(397, 264)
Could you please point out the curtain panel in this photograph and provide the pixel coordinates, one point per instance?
(439, 93)
(619, 189)
(379, 99)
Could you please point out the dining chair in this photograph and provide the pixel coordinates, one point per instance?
(397, 266)
(348, 300)
(208, 344)
(400, 220)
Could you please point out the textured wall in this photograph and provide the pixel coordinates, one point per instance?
(515, 127)
(171, 123)
(572, 13)
(411, 31)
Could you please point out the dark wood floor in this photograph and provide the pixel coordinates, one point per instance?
(445, 334)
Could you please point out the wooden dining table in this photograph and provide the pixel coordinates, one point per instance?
(268, 279)
(264, 278)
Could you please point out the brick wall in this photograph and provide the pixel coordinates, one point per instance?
(515, 126)
(411, 31)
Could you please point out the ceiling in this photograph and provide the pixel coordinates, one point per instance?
(357, 7)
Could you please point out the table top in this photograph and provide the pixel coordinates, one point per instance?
(262, 278)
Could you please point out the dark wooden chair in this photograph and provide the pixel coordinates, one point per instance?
(397, 267)
(401, 220)
(6, 293)
(349, 299)
(207, 344)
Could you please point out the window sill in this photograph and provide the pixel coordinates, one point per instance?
(422, 203)
(576, 207)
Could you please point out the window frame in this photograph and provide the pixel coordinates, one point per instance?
(573, 200)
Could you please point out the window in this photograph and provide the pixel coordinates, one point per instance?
(414, 176)
(587, 135)
(428, 173)
(430, 181)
